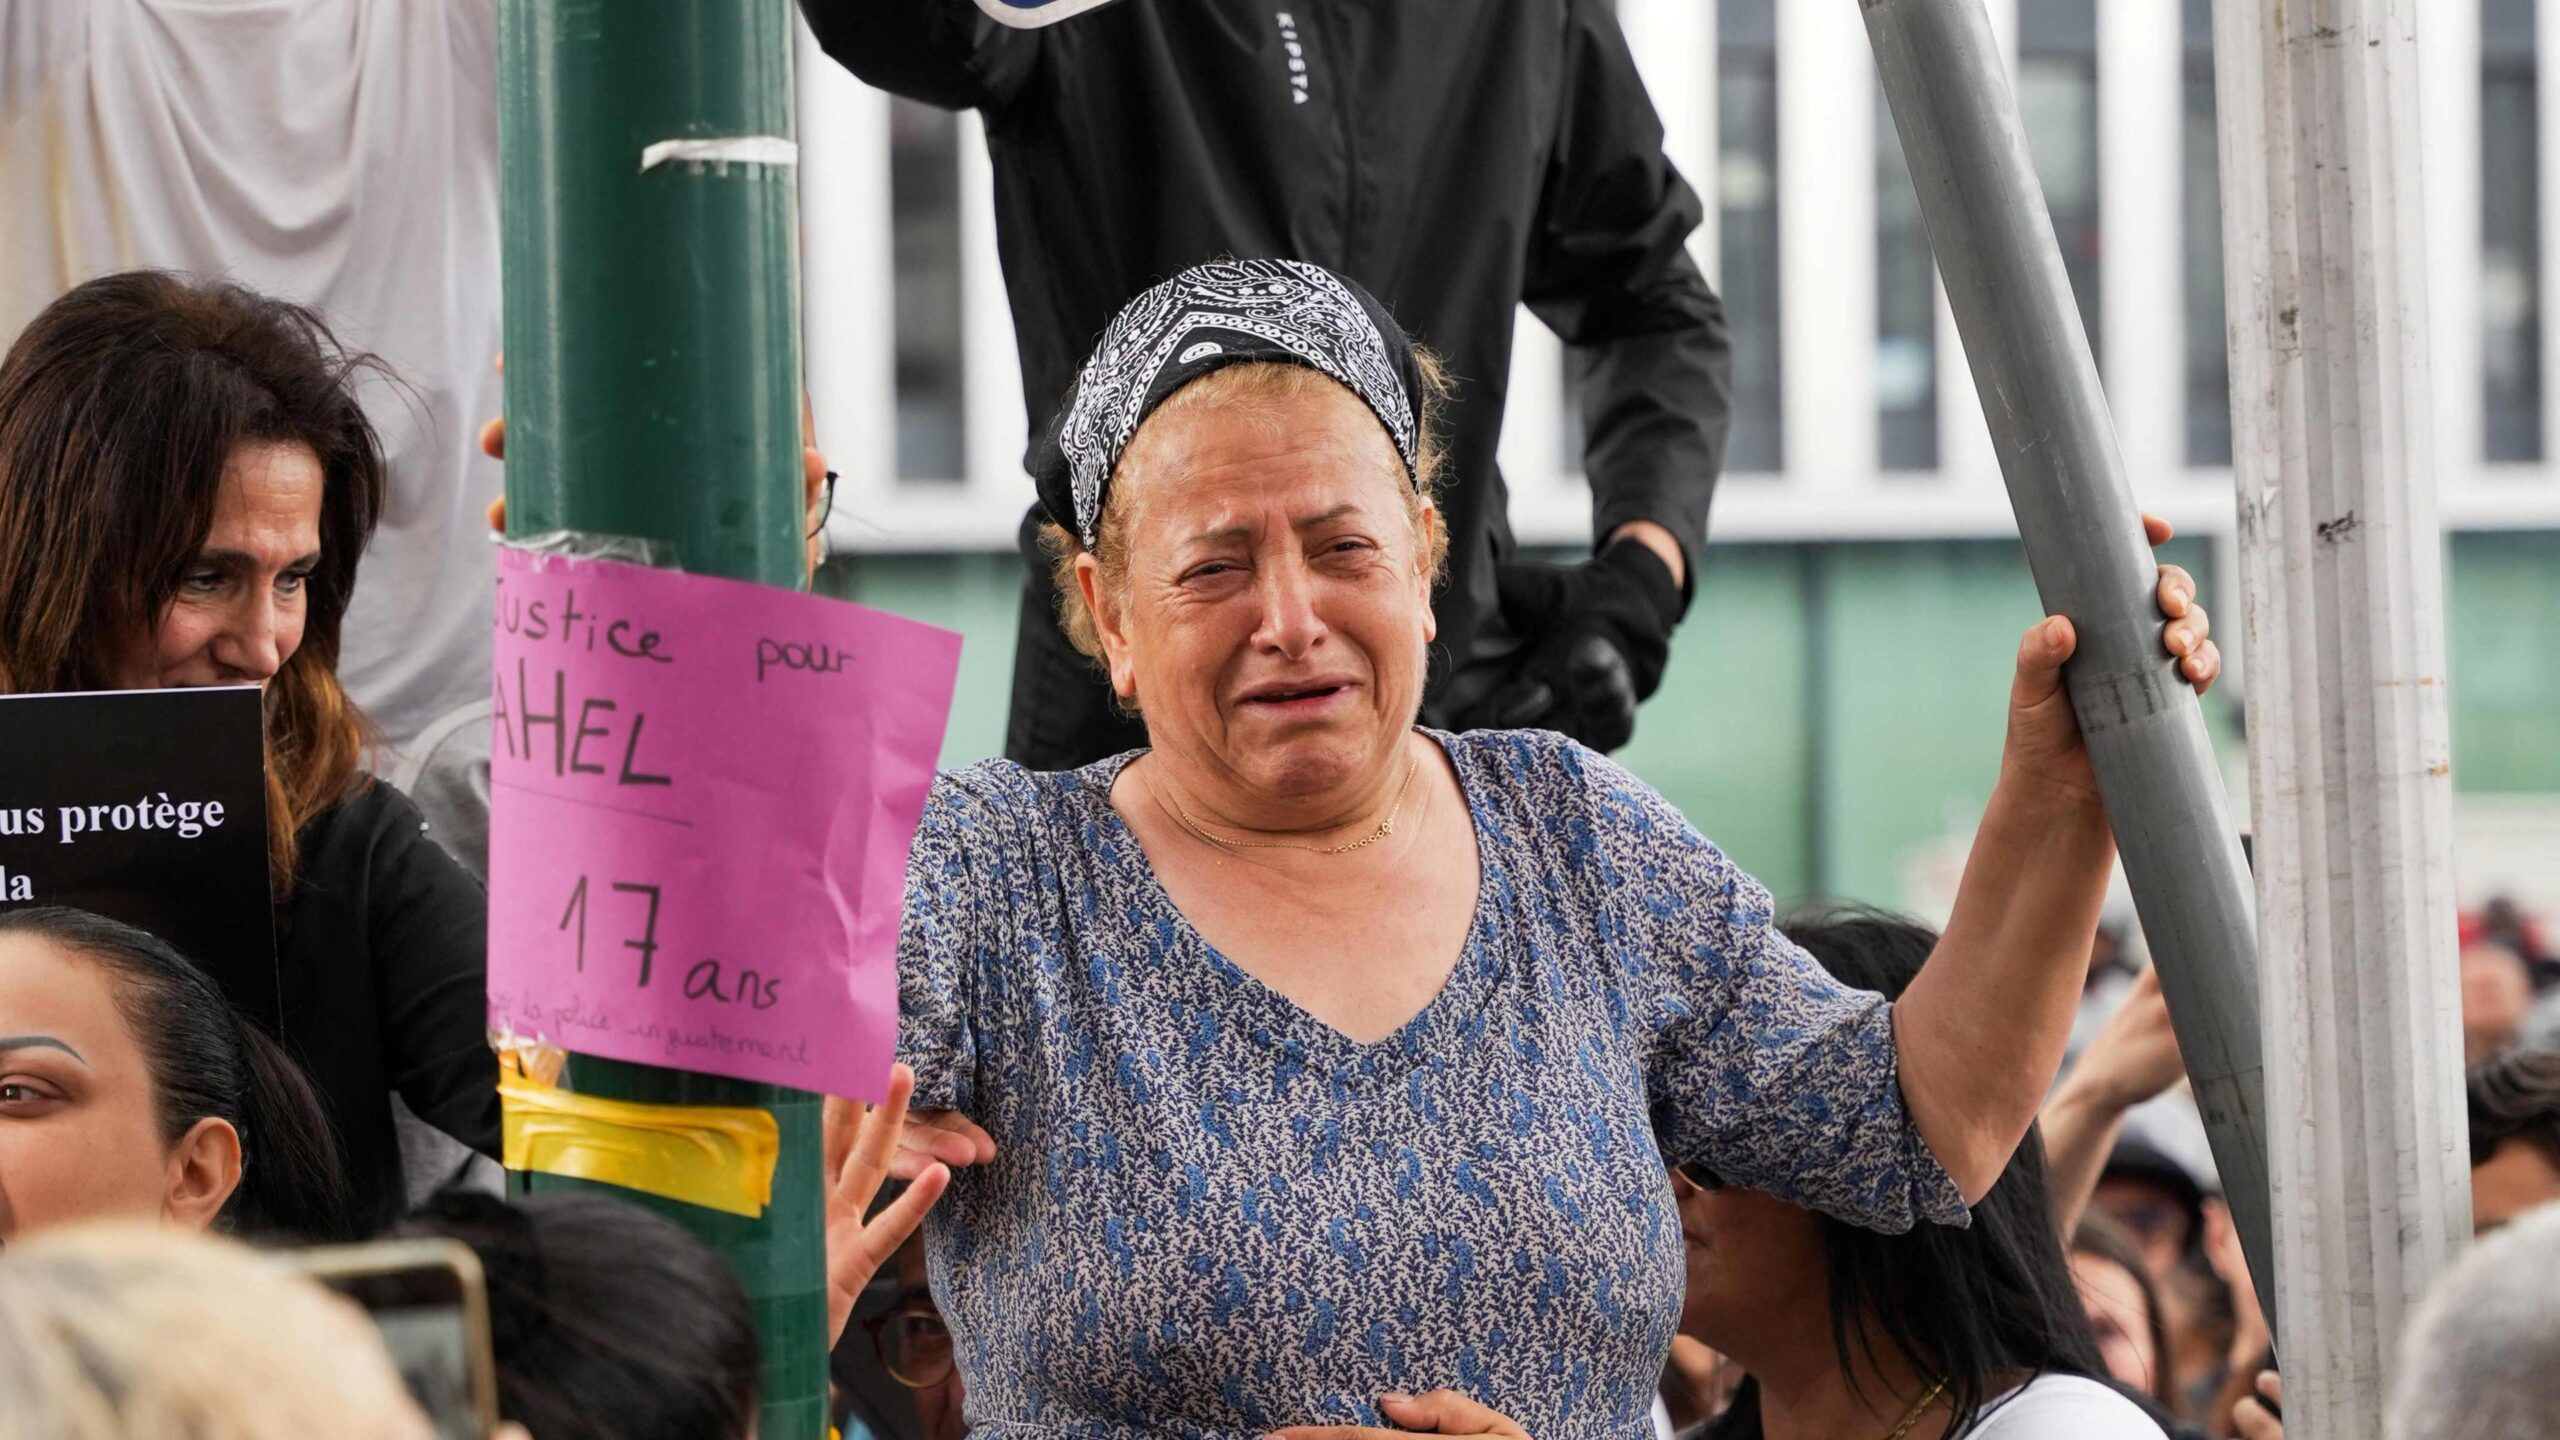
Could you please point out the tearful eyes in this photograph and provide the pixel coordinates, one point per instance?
(1337, 549)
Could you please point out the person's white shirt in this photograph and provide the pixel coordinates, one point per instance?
(2062, 1407)
(339, 153)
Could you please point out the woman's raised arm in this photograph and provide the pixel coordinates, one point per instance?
(1981, 1032)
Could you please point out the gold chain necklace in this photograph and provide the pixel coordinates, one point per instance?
(1912, 1416)
(1385, 828)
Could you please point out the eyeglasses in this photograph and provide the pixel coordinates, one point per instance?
(819, 550)
(1700, 1176)
(826, 506)
(912, 1342)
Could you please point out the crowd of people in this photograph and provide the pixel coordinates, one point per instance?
(1308, 1030)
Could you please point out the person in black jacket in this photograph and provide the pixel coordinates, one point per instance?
(186, 482)
(1457, 158)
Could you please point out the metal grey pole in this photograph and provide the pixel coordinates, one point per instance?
(1948, 85)
(2349, 747)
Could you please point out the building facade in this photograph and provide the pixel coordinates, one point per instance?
(1833, 710)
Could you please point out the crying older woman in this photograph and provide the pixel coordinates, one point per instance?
(1305, 1055)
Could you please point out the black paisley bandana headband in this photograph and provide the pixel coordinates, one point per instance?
(1227, 312)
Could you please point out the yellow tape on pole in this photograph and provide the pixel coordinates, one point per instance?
(716, 1157)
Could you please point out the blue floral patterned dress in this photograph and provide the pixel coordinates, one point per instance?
(1212, 1214)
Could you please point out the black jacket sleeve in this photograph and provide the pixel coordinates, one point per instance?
(942, 52)
(1610, 272)
(427, 925)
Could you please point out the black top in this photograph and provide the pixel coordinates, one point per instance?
(384, 958)
(1456, 157)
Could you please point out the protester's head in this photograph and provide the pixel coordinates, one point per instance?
(186, 483)
(2156, 1199)
(2497, 990)
(2514, 1102)
(1241, 493)
(129, 1087)
(905, 1381)
(2503, 920)
(2481, 1358)
(894, 1373)
(609, 1322)
(2124, 1307)
(118, 1332)
(917, 1344)
(1985, 1306)
(2501, 916)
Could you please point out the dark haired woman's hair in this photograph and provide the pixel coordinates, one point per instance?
(609, 1322)
(1982, 1306)
(120, 407)
(207, 1062)
(2100, 1236)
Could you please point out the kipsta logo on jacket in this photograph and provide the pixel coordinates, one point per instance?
(1297, 56)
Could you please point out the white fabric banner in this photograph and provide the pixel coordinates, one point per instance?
(338, 153)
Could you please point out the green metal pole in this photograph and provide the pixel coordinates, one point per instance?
(653, 380)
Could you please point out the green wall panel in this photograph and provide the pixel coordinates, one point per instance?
(2502, 612)
(1725, 737)
(978, 595)
(1920, 647)
(1914, 699)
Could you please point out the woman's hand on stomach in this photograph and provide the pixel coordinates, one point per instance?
(1442, 1412)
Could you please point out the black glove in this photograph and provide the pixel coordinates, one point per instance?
(1597, 635)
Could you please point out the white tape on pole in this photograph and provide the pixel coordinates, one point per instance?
(721, 150)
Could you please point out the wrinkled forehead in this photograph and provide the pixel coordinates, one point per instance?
(1291, 445)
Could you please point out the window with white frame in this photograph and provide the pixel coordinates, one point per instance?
(911, 351)
(2510, 233)
(1906, 312)
(2208, 354)
(1746, 197)
(2058, 99)
(924, 208)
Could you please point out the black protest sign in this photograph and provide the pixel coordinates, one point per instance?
(150, 807)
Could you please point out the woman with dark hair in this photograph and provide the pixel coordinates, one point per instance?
(2124, 1307)
(186, 483)
(130, 1087)
(1972, 1331)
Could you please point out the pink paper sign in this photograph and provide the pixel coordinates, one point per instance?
(702, 793)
